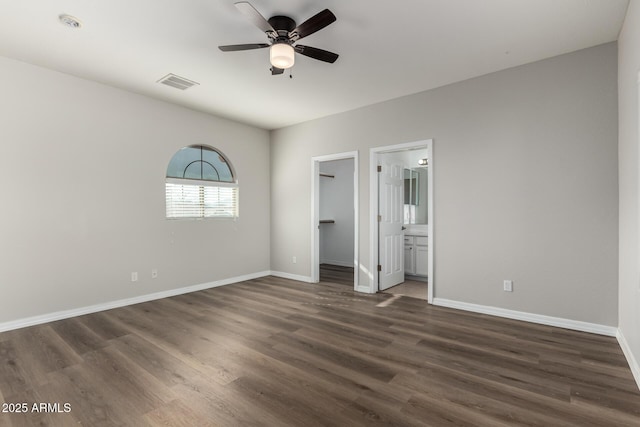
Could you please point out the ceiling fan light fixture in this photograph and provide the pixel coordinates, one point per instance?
(282, 55)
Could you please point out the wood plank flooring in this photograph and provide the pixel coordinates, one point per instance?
(344, 276)
(275, 352)
(336, 274)
(410, 288)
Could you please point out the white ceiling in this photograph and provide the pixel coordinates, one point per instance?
(387, 48)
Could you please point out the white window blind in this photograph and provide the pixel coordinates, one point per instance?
(201, 199)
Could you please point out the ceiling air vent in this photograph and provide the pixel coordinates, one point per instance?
(177, 82)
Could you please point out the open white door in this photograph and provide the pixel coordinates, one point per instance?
(391, 234)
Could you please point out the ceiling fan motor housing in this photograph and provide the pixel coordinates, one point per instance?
(282, 24)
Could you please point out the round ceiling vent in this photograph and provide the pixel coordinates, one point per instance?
(70, 21)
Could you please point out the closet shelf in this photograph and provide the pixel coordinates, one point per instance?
(327, 221)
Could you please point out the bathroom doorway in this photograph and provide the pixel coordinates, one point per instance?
(402, 219)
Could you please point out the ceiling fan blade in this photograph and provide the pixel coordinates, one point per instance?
(235, 47)
(255, 17)
(315, 53)
(275, 71)
(313, 24)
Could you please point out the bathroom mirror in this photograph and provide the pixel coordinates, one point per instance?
(411, 187)
(415, 195)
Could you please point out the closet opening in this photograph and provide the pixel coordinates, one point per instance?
(335, 219)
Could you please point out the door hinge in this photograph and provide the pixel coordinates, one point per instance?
(379, 218)
(379, 267)
(379, 168)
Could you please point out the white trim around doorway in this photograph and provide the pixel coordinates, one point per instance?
(373, 211)
(315, 214)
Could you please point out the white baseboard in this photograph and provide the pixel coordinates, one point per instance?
(633, 362)
(65, 314)
(560, 322)
(297, 277)
(365, 289)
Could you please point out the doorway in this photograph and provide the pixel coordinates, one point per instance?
(334, 222)
(402, 222)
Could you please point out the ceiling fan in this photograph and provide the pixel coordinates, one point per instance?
(283, 34)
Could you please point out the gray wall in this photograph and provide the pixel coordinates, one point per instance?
(525, 188)
(628, 66)
(83, 168)
(525, 164)
(336, 202)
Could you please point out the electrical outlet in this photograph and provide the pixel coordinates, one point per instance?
(134, 276)
(154, 273)
(508, 285)
(294, 260)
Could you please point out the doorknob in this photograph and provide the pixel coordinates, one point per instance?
(404, 228)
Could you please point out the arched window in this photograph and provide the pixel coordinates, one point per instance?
(200, 183)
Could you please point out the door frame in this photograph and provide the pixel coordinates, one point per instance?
(373, 210)
(315, 213)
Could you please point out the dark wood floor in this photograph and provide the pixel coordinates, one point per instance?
(336, 274)
(275, 352)
(344, 276)
(410, 288)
